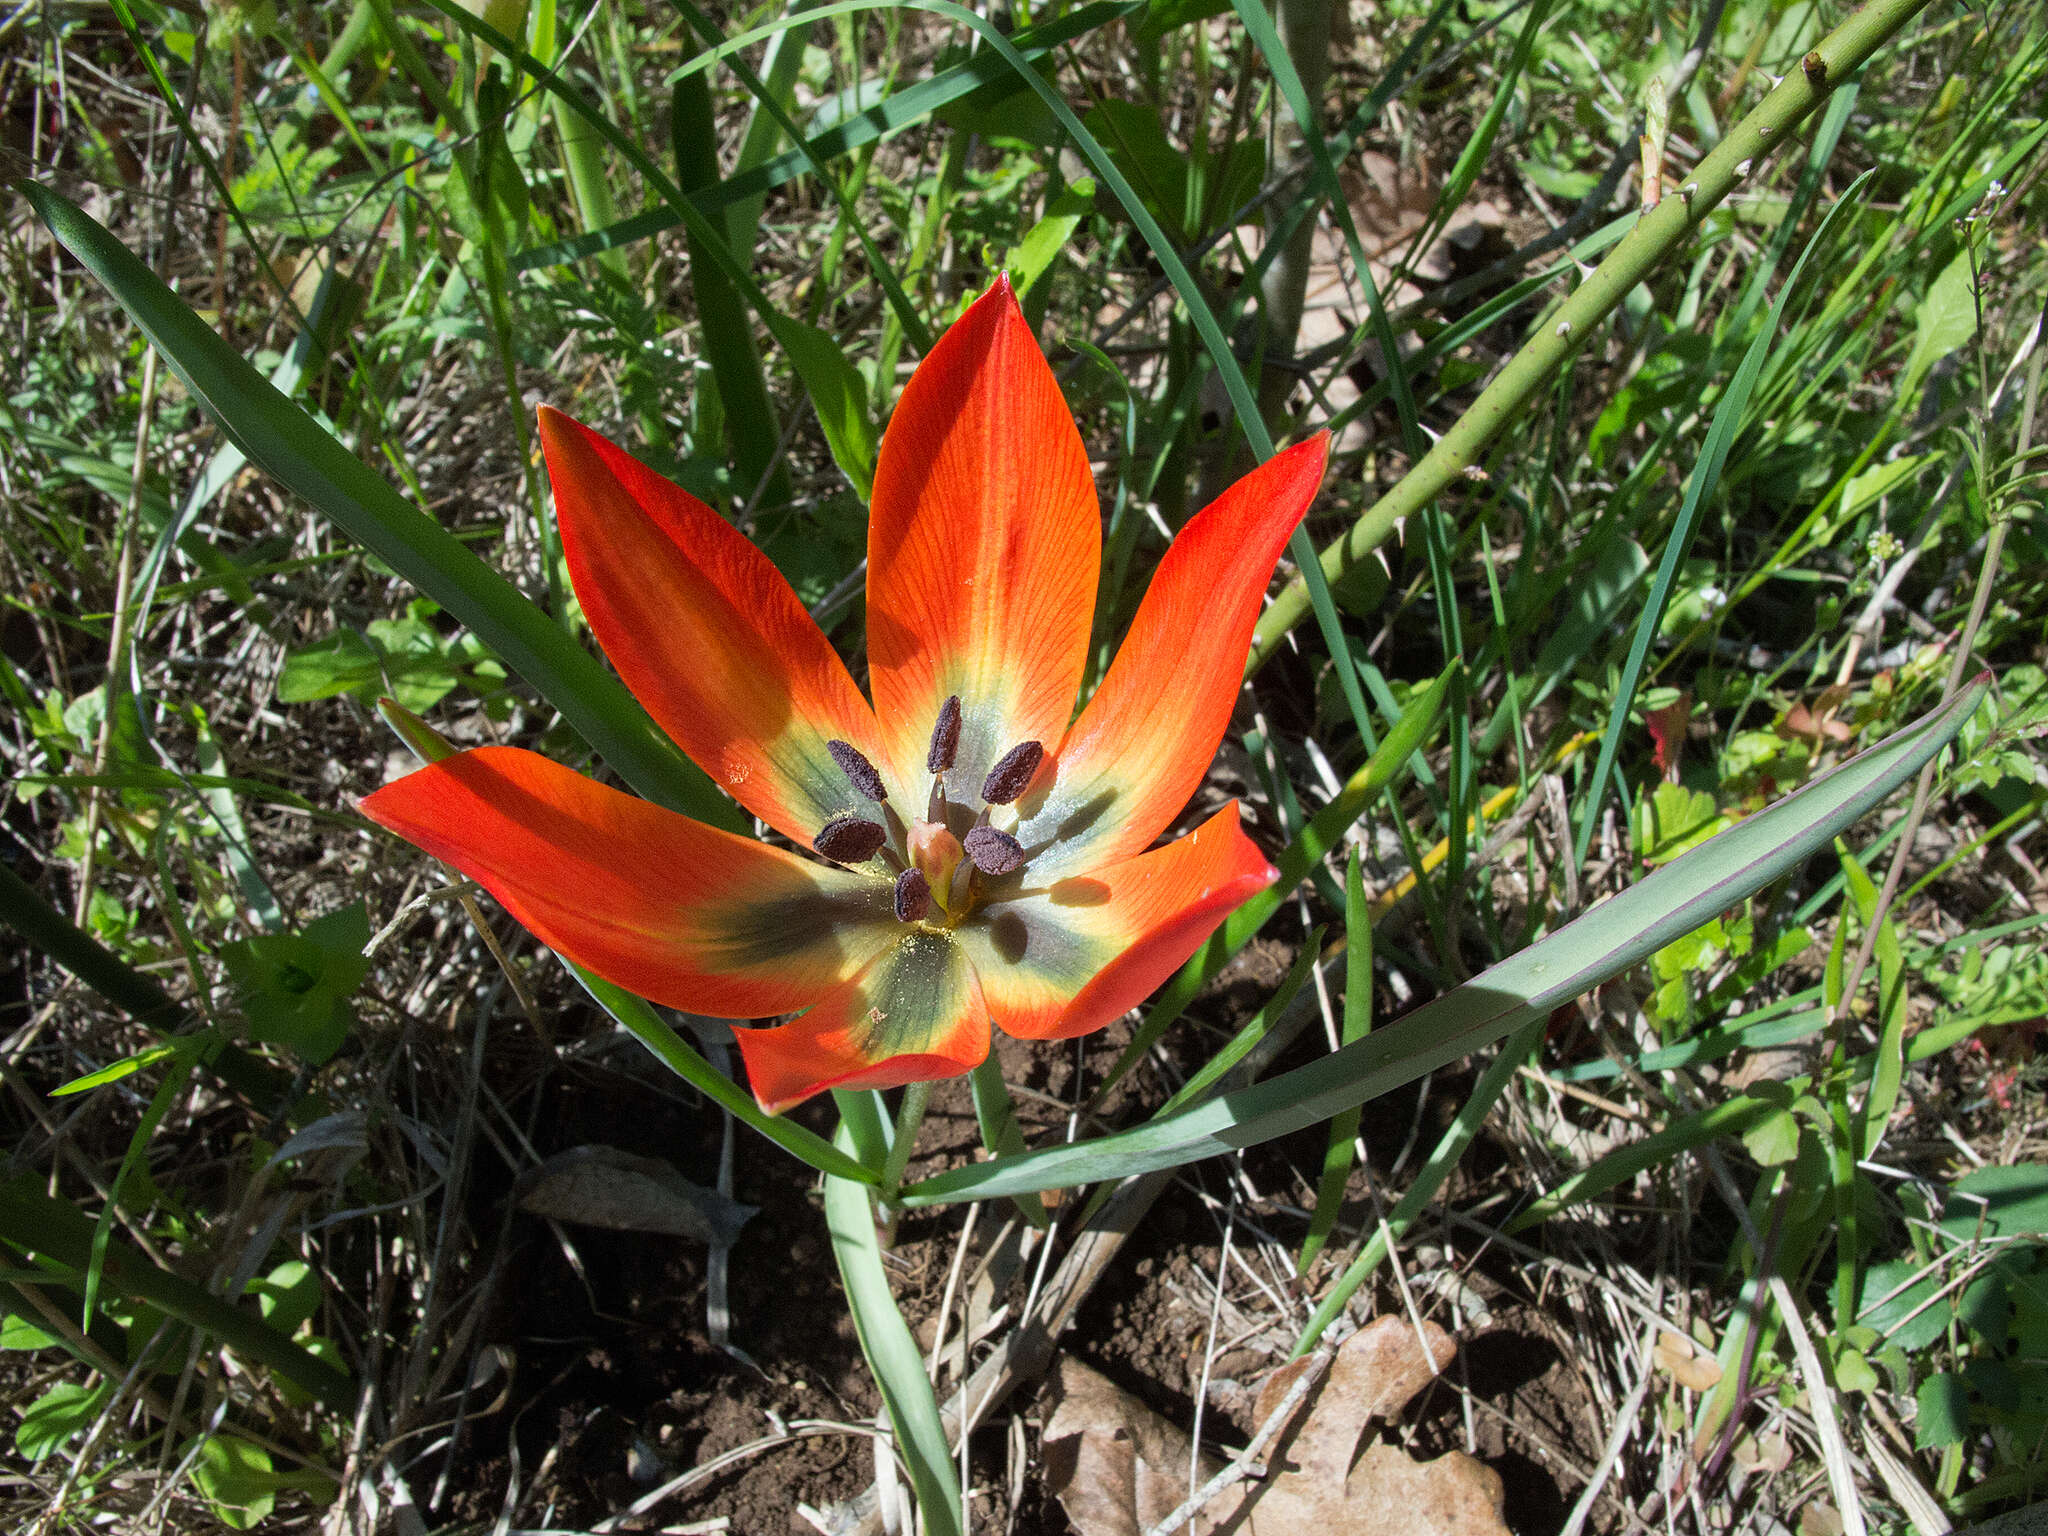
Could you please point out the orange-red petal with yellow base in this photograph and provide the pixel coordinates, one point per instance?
(984, 546)
(1140, 748)
(1069, 958)
(707, 633)
(914, 1015)
(667, 907)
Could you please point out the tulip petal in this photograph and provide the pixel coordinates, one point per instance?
(679, 912)
(914, 1015)
(1068, 958)
(984, 546)
(707, 633)
(1141, 747)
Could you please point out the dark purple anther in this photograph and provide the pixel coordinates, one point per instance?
(850, 839)
(993, 852)
(1012, 773)
(858, 770)
(913, 896)
(945, 737)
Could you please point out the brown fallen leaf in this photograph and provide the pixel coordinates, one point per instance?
(1314, 1484)
(1689, 1365)
(1116, 1467)
(597, 1186)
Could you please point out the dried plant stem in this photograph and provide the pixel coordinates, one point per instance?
(1243, 1463)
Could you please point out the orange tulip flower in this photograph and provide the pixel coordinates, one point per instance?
(976, 852)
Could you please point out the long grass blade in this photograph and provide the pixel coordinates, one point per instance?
(1671, 902)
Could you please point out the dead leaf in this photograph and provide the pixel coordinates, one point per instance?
(1818, 722)
(1314, 1486)
(604, 1187)
(1378, 1369)
(1769, 1453)
(1689, 1365)
(1451, 1496)
(1116, 1467)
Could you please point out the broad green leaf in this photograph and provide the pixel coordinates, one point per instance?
(2009, 1200)
(1672, 819)
(343, 662)
(1774, 1139)
(1879, 480)
(235, 1477)
(57, 1415)
(294, 987)
(280, 438)
(1946, 318)
(17, 1332)
(1853, 1372)
(288, 1296)
(1941, 1411)
(1671, 902)
(1913, 1318)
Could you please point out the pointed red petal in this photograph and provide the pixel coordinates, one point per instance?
(666, 907)
(707, 633)
(1148, 735)
(913, 1016)
(1081, 952)
(984, 547)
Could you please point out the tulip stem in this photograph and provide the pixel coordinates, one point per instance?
(909, 1116)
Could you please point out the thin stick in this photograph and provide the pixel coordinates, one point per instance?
(1242, 1465)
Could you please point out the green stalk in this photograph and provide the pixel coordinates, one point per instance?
(1656, 235)
(885, 1339)
(917, 1099)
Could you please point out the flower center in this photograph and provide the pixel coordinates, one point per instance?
(941, 874)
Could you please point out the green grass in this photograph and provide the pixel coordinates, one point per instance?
(1660, 514)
